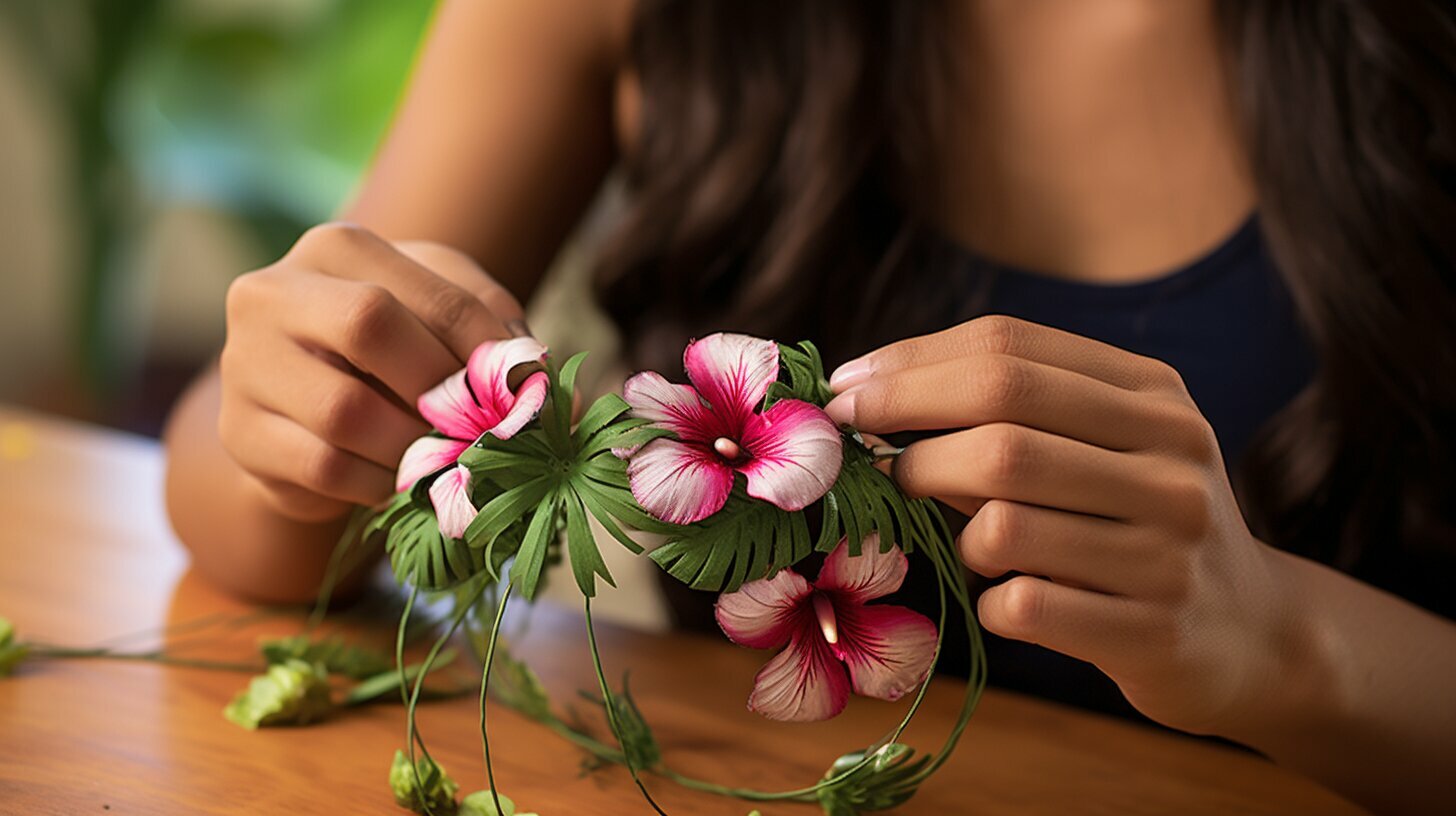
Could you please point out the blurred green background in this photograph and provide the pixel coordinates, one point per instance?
(150, 151)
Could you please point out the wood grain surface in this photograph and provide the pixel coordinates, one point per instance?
(86, 555)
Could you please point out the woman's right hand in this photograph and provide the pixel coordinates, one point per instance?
(327, 351)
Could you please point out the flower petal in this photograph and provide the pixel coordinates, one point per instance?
(795, 451)
(733, 372)
(490, 366)
(872, 574)
(888, 649)
(764, 614)
(803, 683)
(675, 407)
(678, 482)
(425, 456)
(453, 411)
(450, 494)
(528, 401)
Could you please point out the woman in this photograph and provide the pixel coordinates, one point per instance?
(824, 169)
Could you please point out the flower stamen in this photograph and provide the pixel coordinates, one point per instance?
(824, 611)
(727, 448)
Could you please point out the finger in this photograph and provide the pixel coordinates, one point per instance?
(1078, 550)
(336, 407)
(462, 270)
(1090, 626)
(1015, 463)
(282, 450)
(997, 334)
(296, 503)
(985, 388)
(458, 318)
(367, 326)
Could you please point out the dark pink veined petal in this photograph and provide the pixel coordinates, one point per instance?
(794, 453)
(530, 396)
(888, 649)
(424, 456)
(450, 408)
(803, 683)
(732, 372)
(450, 495)
(677, 408)
(764, 614)
(872, 574)
(490, 366)
(678, 482)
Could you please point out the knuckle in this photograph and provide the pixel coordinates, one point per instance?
(1004, 455)
(1187, 497)
(367, 319)
(342, 412)
(994, 533)
(998, 334)
(1190, 431)
(1162, 376)
(244, 293)
(333, 237)
(452, 306)
(1022, 605)
(1002, 383)
(323, 469)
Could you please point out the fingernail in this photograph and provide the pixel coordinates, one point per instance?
(850, 374)
(841, 408)
(518, 328)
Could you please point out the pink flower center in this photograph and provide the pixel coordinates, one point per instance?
(728, 449)
(824, 611)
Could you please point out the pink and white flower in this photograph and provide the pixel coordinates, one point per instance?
(473, 402)
(835, 640)
(790, 454)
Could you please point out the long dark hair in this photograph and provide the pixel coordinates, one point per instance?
(786, 155)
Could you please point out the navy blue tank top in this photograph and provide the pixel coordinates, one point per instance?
(1225, 321)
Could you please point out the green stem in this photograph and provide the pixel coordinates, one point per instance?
(611, 706)
(62, 653)
(500, 614)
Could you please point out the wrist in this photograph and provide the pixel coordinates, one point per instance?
(1295, 689)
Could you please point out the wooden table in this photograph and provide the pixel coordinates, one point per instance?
(86, 554)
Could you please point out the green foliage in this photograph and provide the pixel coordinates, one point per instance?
(11, 652)
(336, 655)
(552, 478)
(806, 380)
(636, 737)
(293, 692)
(420, 553)
(886, 781)
(387, 681)
(423, 787)
(748, 539)
(517, 686)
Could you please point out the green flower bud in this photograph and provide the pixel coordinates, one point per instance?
(886, 781)
(290, 693)
(481, 803)
(11, 653)
(424, 784)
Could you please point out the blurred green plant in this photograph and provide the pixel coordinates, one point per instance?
(265, 109)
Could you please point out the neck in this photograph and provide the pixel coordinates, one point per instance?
(1095, 140)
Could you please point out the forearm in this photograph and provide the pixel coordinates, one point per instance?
(1364, 697)
(237, 540)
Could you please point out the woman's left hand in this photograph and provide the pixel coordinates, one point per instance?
(1089, 471)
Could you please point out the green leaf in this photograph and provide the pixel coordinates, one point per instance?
(581, 547)
(336, 655)
(419, 552)
(599, 415)
(863, 501)
(504, 510)
(517, 686)
(746, 540)
(638, 743)
(11, 653)
(388, 680)
(526, 571)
